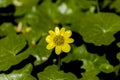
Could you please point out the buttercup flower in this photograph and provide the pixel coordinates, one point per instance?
(59, 39)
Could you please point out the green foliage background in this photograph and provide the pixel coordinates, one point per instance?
(95, 53)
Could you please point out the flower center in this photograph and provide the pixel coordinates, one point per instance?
(58, 40)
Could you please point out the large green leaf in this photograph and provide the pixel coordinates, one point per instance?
(92, 63)
(22, 74)
(97, 28)
(52, 73)
(10, 46)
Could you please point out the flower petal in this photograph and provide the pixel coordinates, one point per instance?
(66, 48)
(48, 38)
(58, 50)
(69, 40)
(62, 31)
(57, 30)
(50, 46)
(68, 33)
(51, 32)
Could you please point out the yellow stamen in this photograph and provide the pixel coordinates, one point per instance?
(58, 40)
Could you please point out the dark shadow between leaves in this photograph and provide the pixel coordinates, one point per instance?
(78, 40)
(54, 1)
(106, 76)
(94, 49)
(40, 1)
(8, 12)
(73, 67)
(30, 59)
(109, 50)
(41, 67)
(24, 49)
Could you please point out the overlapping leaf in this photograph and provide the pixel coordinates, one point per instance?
(10, 46)
(92, 63)
(40, 52)
(38, 18)
(115, 5)
(98, 28)
(22, 74)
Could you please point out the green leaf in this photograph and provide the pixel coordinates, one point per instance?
(40, 52)
(52, 73)
(9, 49)
(70, 7)
(118, 56)
(7, 29)
(5, 3)
(98, 28)
(89, 76)
(117, 68)
(92, 63)
(48, 15)
(118, 44)
(16, 44)
(31, 34)
(40, 20)
(115, 5)
(106, 3)
(22, 74)
(2, 33)
(25, 6)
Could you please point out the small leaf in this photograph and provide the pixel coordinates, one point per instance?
(106, 68)
(118, 56)
(52, 73)
(115, 5)
(106, 3)
(118, 44)
(89, 76)
(117, 68)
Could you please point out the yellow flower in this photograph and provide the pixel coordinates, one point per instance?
(59, 39)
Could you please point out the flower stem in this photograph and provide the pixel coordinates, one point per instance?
(59, 62)
(98, 9)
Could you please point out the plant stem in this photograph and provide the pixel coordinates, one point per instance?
(59, 62)
(98, 9)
